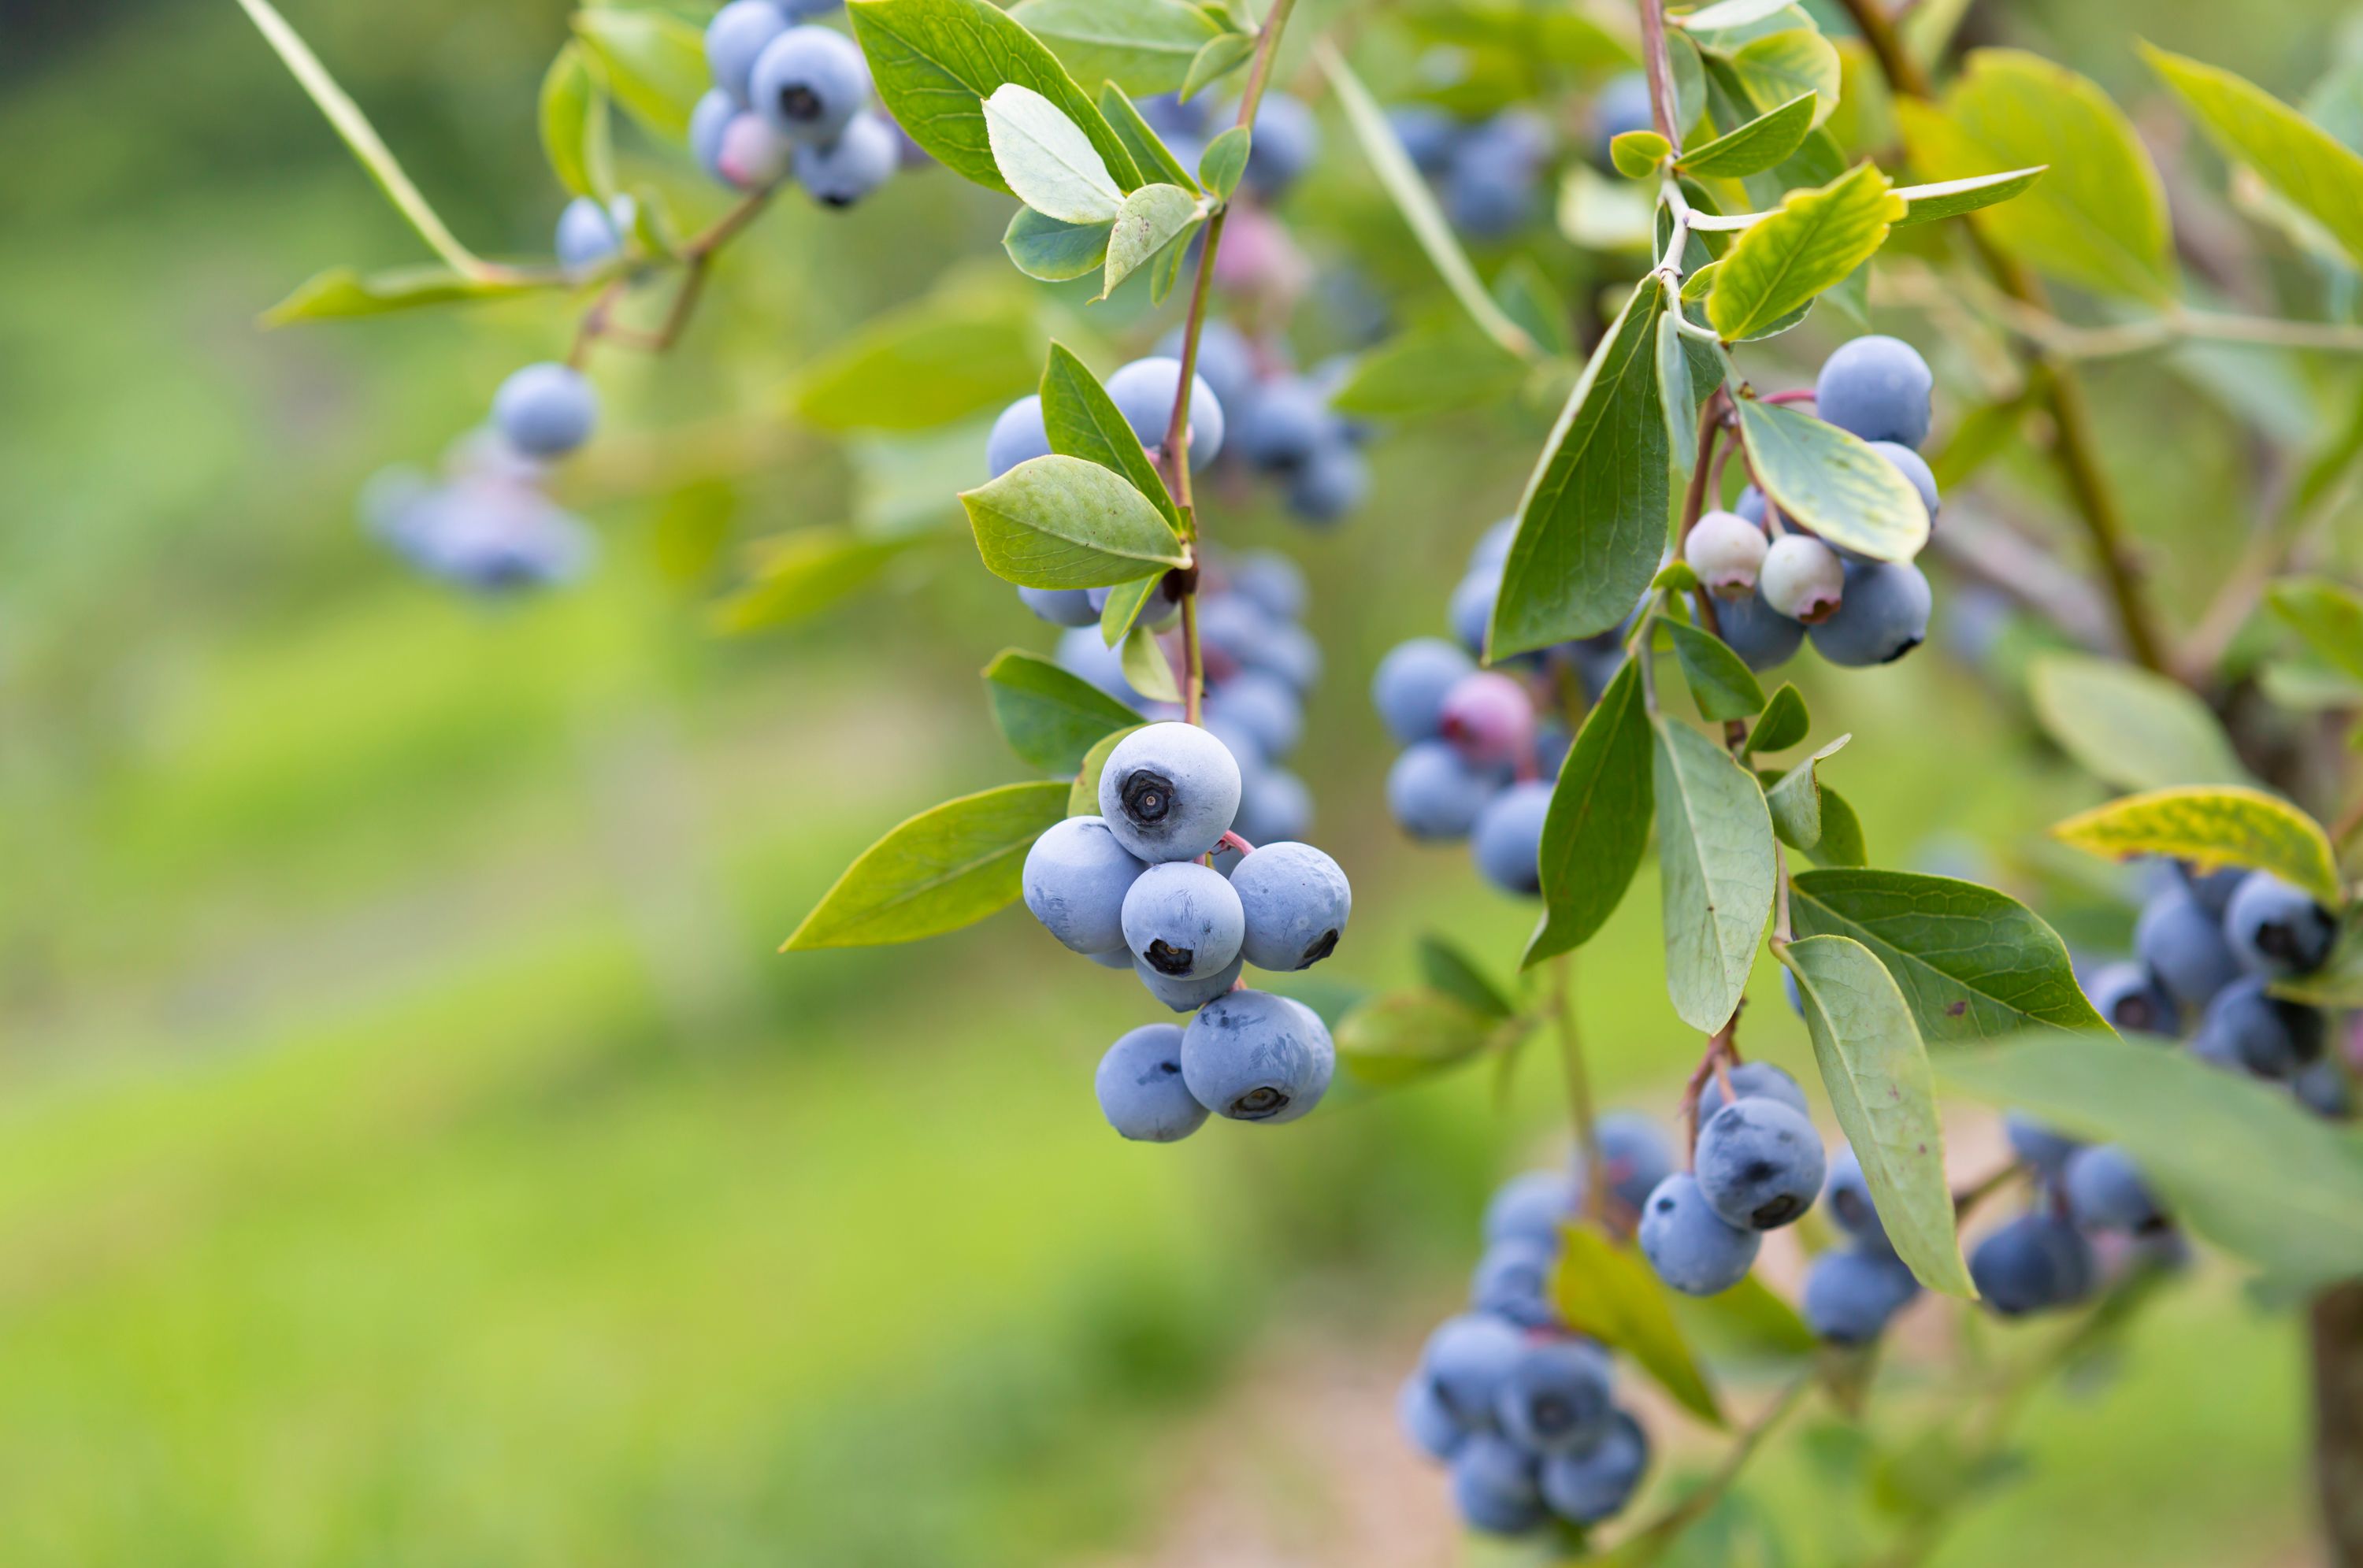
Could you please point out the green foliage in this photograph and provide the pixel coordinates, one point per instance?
(2226, 825)
(1603, 1287)
(1407, 1035)
(924, 364)
(1146, 668)
(1126, 602)
(1046, 160)
(2306, 165)
(1142, 46)
(1841, 843)
(1756, 146)
(1059, 521)
(654, 63)
(1050, 719)
(1083, 796)
(1831, 483)
(1679, 395)
(574, 131)
(2129, 727)
(1784, 724)
(2328, 615)
(1794, 799)
(949, 866)
(803, 574)
(1637, 154)
(1720, 682)
(1784, 261)
(1084, 421)
(1598, 824)
(1715, 871)
(1780, 67)
(340, 292)
(1151, 218)
(1441, 364)
(1156, 160)
(1055, 252)
(1220, 56)
(1448, 969)
(1951, 198)
(1225, 159)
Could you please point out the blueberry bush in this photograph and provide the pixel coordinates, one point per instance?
(1614, 216)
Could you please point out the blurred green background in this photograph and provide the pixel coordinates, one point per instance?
(412, 1150)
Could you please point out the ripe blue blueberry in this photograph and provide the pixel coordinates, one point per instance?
(1409, 687)
(1184, 921)
(1428, 134)
(707, 122)
(1493, 1486)
(1914, 467)
(588, 234)
(1847, 1193)
(1018, 436)
(2039, 1147)
(1850, 1295)
(2032, 1263)
(1253, 1056)
(1759, 1163)
(1140, 1088)
(808, 83)
(1425, 1419)
(1689, 1244)
(1761, 636)
(1556, 1397)
(1060, 606)
(2106, 1191)
(1084, 654)
(546, 410)
(1595, 1483)
(2324, 1088)
(1270, 580)
(1287, 421)
(1878, 388)
(1436, 795)
(1227, 364)
(1188, 996)
(1492, 551)
(2132, 1001)
(1753, 1080)
(1296, 901)
(1286, 140)
(848, 167)
(1264, 705)
(1169, 792)
(1513, 1281)
(1143, 392)
(737, 35)
(1332, 485)
(1472, 610)
(2184, 948)
(1486, 199)
(1531, 1208)
(1274, 807)
(1634, 1155)
(2213, 889)
(2268, 1036)
(1507, 838)
(1884, 615)
(1467, 1359)
(2278, 929)
(1076, 880)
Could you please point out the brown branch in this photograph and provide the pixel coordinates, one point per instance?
(1659, 65)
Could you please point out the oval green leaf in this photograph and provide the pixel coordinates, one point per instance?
(1055, 252)
(1059, 521)
(2311, 168)
(1720, 682)
(1050, 719)
(1951, 198)
(1811, 241)
(1598, 823)
(1603, 1287)
(1717, 863)
(1084, 421)
(1831, 483)
(2210, 827)
(1143, 46)
(2128, 727)
(1407, 1035)
(1225, 159)
(949, 866)
(1151, 219)
(1046, 160)
(654, 63)
(574, 126)
(1756, 146)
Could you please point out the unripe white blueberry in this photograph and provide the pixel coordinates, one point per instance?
(753, 156)
(1727, 552)
(1802, 579)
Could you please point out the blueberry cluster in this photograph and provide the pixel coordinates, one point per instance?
(489, 524)
(1285, 142)
(1286, 431)
(2088, 1197)
(1774, 583)
(791, 100)
(1518, 1404)
(1487, 173)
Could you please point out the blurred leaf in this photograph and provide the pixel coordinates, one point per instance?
(2238, 1160)
(1084, 421)
(1152, 218)
(1146, 665)
(1720, 682)
(1083, 795)
(2128, 727)
(2328, 615)
(1124, 604)
(1448, 969)
(1831, 483)
(1635, 154)
(1055, 252)
(1794, 799)
(949, 866)
(2226, 825)
(1876, 1071)
(801, 575)
(1972, 963)
(1729, 14)
(1951, 198)
(654, 63)
(1780, 67)
(1756, 146)
(1046, 160)
(1441, 364)
(1050, 719)
(1059, 521)
(1407, 1035)
(1143, 46)
(1785, 723)
(1218, 59)
(947, 354)
(1592, 522)
(1167, 267)
(574, 133)
(936, 61)
(1750, 1318)
(1782, 262)
(1225, 159)
(2098, 220)
(1154, 159)
(2298, 158)
(1598, 213)
(692, 528)
(1598, 824)
(341, 291)
(1716, 864)
(1841, 844)
(1604, 1288)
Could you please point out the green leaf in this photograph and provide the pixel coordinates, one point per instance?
(1218, 58)
(1124, 604)
(2225, 825)
(1729, 14)
(1719, 683)
(1225, 159)
(1408, 189)
(1152, 218)
(2328, 615)
(1083, 795)
(1166, 270)
(925, 364)
(2306, 165)
(1831, 483)
(1592, 521)
(1052, 251)
(1143, 46)
(2099, 218)
(1147, 669)
(949, 866)
(1604, 1288)
(2128, 727)
(1876, 1071)
(803, 574)
(1715, 864)
(1756, 146)
(1951, 198)
(1972, 963)
(1637, 154)
(1790, 64)
(1046, 160)
(1677, 396)
(574, 126)
(1815, 238)
(1794, 799)
(1437, 365)
(340, 292)
(1750, 1318)
(2238, 1160)
(1059, 521)
(1084, 421)
(1785, 723)
(1598, 823)
(1050, 719)
(1407, 1035)
(1841, 843)
(346, 117)
(1449, 970)
(936, 61)
(1154, 159)
(654, 63)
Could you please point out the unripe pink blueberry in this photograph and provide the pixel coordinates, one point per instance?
(753, 154)
(1727, 552)
(1489, 719)
(1802, 579)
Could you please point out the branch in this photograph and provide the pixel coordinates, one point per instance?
(1660, 66)
(1578, 1088)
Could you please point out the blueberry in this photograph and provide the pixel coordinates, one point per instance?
(1286, 140)
(2213, 889)
(707, 122)
(1060, 606)
(1759, 1163)
(1169, 792)
(1140, 1088)
(1084, 654)
(1850, 1295)
(1076, 880)
(2324, 1088)
(2132, 1000)
(1467, 1360)
(1274, 807)
(1489, 200)
(2039, 1147)
(1493, 1486)
(587, 234)
(1184, 921)
(1426, 1420)
(2106, 1191)
(1884, 615)
(1634, 1155)
(1753, 1080)
(1531, 1208)
(1285, 423)
(1253, 1056)
(1759, 634)
(1265, 707)
(1427, 133)
(1233, 626)
(1790, 989)
(1434, 794)
(1411, 684)
(1802, 578)
(808, 83)
(1226, 363)
(1471, 611)
(1726, 551)
(1750, 505)
(840, 172)
(546, 410)
(1018, 436)
(737, 35)
(1688, 1243)
(2184, 948)
(2276, 929)
(1847, 1193)
(1623, 104)
(1296, 901)
(1332, 485)
(1556, 1397)
(1492, 548)
(752, 155)
(1507, 838)
(1188, 996)
(1513, 1281)
(1596, 1483)
(1878, 388)
(1117, 958)
(2032, 1263)
(1914, 467)
(491, 536)
(1143, 392)
(2261, 1032)
(1169, 116)
(1271, 582)
(1489, 719)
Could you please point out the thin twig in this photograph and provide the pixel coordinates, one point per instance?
(1578, 1088)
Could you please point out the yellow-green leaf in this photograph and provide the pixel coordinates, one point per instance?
(949, 866)
(1756, 146)
(1815, 238)
(655, 63)
(2128, 727)
(2212, 828)
(1603, 1287)
(341, 291)
(803, 574)
(574, 134)
(1407, 1035)
(1833, 482)
(2328, 615)
(2309, 167)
